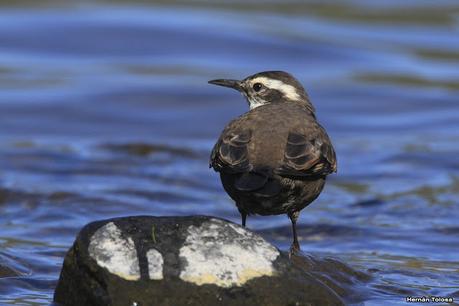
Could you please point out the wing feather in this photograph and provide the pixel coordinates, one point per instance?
(230, 153)
(308, 155)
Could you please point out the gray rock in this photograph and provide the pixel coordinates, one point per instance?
(6, 271)
(10, 267)
(182, 261)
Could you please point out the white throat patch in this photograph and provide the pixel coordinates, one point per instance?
(255, 103)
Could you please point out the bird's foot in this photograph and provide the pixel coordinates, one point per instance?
(294, 249)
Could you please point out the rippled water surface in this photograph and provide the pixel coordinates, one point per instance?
(105, 111)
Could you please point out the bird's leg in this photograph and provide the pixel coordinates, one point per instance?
(295, 245)
(243, 217)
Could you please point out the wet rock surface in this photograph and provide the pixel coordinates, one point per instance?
(6, 271)
(9, 267)
(185, 261)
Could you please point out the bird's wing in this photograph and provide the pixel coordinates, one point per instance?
(230, 153)
(308, 155)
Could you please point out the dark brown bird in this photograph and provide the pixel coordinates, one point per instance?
(275, 158)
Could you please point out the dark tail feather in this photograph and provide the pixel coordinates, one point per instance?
(270, 189)
(259, 184)
(251, 181)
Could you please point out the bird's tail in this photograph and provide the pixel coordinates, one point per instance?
(258, 183)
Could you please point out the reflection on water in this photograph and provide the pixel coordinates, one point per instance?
(105, 111)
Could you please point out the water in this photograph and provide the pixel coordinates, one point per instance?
(105, 111)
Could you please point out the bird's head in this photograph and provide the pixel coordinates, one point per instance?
(269, 87)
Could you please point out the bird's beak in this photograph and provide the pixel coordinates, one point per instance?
(227, 83)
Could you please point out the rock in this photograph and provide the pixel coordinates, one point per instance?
(10, 268)
(182, 261)
(6, 271)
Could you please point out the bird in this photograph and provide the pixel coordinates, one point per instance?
(275, 158)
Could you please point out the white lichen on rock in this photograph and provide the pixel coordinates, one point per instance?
(114, 252)
(225, 254)
(155, 264)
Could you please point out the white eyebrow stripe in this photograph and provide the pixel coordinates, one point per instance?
(288, 90)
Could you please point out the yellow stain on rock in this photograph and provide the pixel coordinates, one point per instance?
(128, 277)
(242, 278)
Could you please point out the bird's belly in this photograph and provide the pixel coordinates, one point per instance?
(294, 196)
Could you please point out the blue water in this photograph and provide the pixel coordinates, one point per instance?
(105, 111)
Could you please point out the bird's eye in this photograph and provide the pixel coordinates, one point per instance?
(257, 86)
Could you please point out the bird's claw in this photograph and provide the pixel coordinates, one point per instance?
(294, 249)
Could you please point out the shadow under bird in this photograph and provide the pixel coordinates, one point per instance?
(275, 158)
